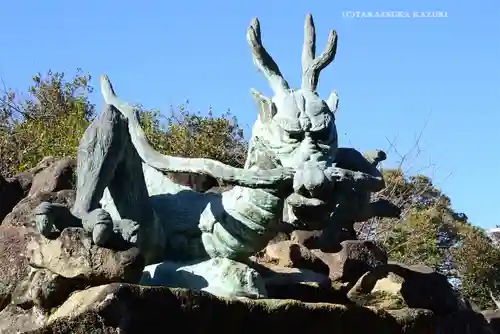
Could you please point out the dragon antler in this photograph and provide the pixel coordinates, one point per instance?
(263, 60)
(312, 66)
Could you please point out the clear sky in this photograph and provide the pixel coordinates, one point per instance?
(395, 76)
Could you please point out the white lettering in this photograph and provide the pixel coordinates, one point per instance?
(435, 14)
(393, 14)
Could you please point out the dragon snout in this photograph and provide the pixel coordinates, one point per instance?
(310, 179)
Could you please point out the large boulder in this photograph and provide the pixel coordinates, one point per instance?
(49, 175)
(16, 231)
(299, 284)
(290, 254)
(355, 258)
(309, 239)
(15, 319)
(73, 255)
(124, 308)
(13, 262)
(128, 308)
(11, 192)
(44, 289)
(58, 175)
(418, 286)
(463, 322)
(493, 318)
(22, 213)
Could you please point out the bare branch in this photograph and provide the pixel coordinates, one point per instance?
(263, 61)
(5, 103)
(311, 66)
(379, 228)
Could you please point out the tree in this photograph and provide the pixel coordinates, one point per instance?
(52, 117)
(478, 261)
(432, 233)
(48, 122)
(188, 134)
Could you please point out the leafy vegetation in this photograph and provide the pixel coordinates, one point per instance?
(189, 134)
(432, 233)
(51, 118)
(48, 122)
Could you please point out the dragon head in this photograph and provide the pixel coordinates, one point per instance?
(295, 126)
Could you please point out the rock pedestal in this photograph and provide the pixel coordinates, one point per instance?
(69, 285)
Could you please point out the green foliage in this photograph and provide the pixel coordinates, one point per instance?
(188, 134)
(415, 240)
(479, 262)
(432, 233)
(52, 118)
(48, 122)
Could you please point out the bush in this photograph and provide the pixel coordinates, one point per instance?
(52, 118)
(190, 134)
(48, 122)
(432, 233)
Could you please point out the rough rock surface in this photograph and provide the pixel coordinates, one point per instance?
(72, 255)
(14, 320)
(290, 254)
(300, 284)
(25, 180)
(16, 230)
(463, 321)
(352, 290)
(493, 318)
(57, 176)
(423, 287)
(17, 187)
(11, 192)
(133, 309)
(44, 289)
(354, 259)
(278, 275)
(307, 238)
(418, 286)
(22, 213)
(13, 262)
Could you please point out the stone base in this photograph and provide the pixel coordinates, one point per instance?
(139, 309)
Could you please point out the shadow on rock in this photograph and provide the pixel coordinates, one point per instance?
(135, 309)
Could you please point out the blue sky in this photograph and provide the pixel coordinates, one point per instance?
(396, 77)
